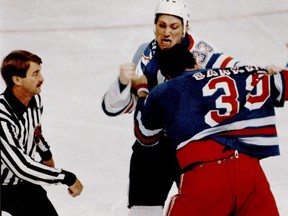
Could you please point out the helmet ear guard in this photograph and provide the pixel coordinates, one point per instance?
(176, 8)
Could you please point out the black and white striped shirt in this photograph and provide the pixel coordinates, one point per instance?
(18, 148)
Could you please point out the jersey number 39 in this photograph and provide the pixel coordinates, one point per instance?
(228, 101)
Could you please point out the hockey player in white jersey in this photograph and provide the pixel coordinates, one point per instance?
(152, 173)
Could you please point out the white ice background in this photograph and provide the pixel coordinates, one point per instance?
(82, 44)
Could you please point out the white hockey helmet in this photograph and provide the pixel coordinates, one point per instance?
(174, 7)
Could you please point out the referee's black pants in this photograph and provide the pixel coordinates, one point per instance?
(26, 199)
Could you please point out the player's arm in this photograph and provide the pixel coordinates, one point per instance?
(279, 87)
(147, 133)
(119, 98)
(279, 81)
(285, 78)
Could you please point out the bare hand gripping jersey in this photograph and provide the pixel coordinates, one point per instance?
(231, 106)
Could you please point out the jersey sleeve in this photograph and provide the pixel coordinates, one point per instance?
(116, 102)
(285, 79)
(119, 99)
(279, 93)
(138, 54)
(147, 127)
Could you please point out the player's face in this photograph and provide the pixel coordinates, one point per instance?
(168, 31)
(31, 84)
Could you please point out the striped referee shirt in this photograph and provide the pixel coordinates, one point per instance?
(18, 148)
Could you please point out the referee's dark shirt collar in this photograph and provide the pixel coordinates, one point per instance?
(17, 106)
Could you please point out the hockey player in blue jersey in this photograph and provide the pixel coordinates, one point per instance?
(221, 123)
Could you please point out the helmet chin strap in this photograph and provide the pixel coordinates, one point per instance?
(184, 32)
(185, 29)
(183, 35)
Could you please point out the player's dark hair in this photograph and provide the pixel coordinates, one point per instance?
(175, 60)
(17, 63)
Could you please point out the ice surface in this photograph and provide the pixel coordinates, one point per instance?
(82, 44)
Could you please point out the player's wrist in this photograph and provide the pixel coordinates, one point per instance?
(142, 94)
(142, 90)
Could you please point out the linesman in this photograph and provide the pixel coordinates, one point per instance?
(26, 159)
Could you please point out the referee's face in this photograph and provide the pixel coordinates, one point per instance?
(31, 84)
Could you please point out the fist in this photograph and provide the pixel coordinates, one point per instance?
(139, 81)
(273, 69)
(75, 189)
(127, 72)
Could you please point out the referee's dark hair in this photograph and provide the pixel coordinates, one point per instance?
(175, 60)
(17, 63)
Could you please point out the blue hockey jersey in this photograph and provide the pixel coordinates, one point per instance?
(233, 107)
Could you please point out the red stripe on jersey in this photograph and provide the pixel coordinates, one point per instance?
(146, 58)
(129, 109)
(225, 62)
(253, 132)
(285, 75)
(144, 139)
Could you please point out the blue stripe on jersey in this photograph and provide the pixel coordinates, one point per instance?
(213, 59)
